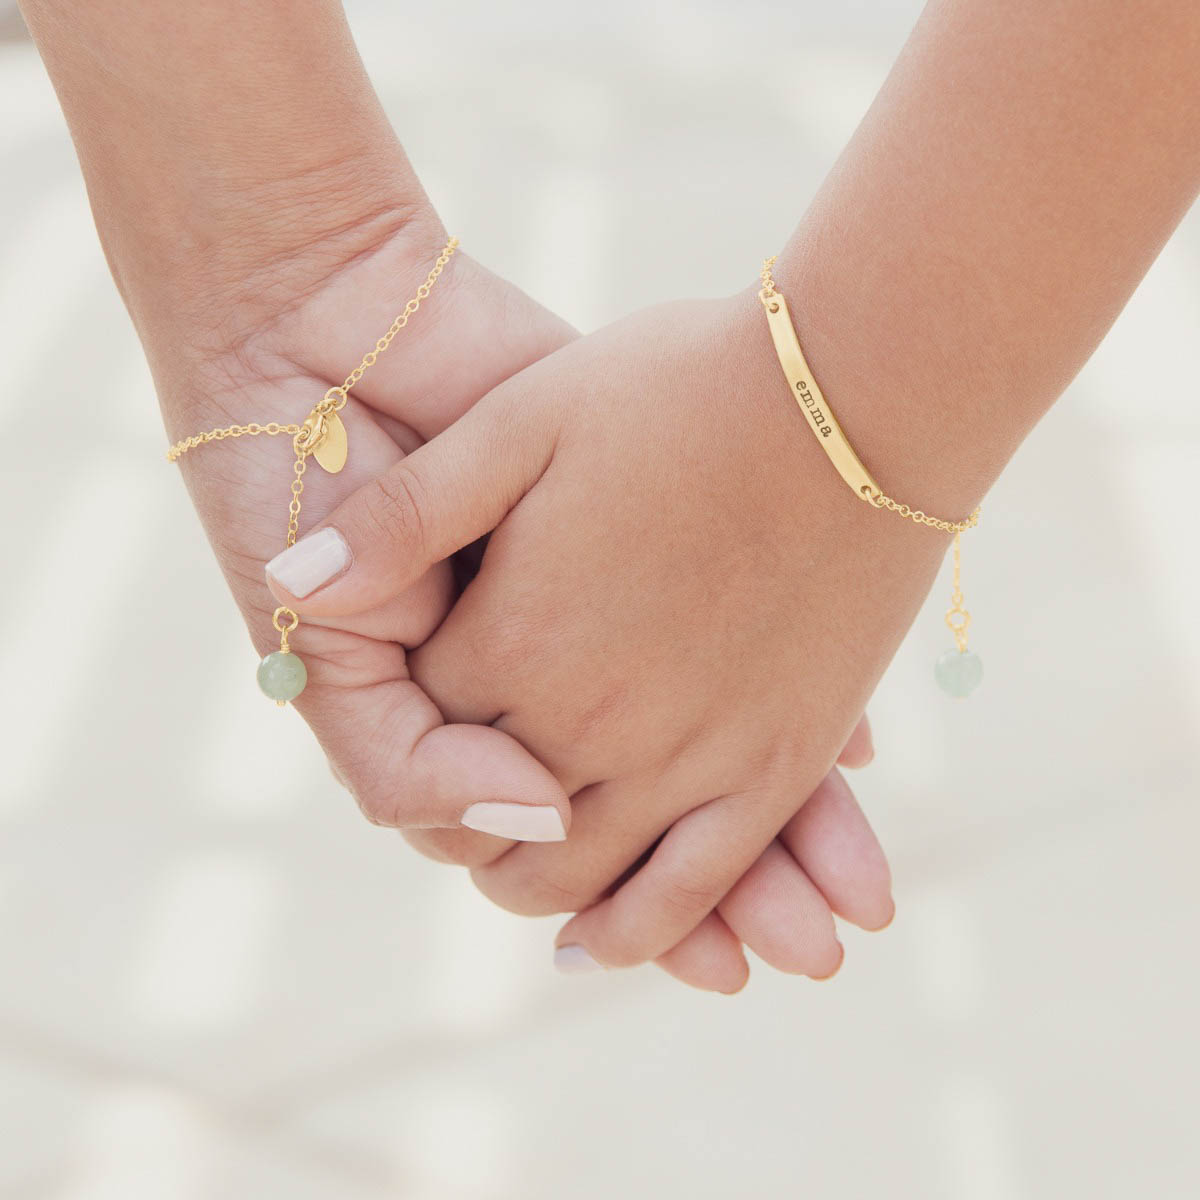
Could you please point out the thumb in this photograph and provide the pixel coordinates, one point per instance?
(388, 746)
(439, 499)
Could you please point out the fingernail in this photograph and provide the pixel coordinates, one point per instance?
(521, 822)
(312, 562)
(573, 959)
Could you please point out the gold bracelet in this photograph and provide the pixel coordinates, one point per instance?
(282, 674)
(957, 671)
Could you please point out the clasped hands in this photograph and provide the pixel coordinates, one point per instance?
(632, 711)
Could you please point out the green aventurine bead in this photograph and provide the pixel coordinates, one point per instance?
(958, 673)
(282, 676)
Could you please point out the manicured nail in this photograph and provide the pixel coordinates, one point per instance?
(521, 822)
(311, 563)
(573, 959)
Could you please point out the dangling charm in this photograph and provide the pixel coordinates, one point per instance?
(958, 672)
(330, 448)
(282, 674)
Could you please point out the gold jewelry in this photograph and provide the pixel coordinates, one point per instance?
(282, 674)
(958, 671)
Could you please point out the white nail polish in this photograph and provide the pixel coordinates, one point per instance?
(311, 562)
(573, 959)
(521, 822)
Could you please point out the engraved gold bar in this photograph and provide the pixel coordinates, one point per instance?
(818, 416)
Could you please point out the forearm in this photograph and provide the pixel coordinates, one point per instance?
(1014, 180)
(219, 138)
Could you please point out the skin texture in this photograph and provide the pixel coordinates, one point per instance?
(689, 741)
(690, 664)
(726, 606)
(262, 236)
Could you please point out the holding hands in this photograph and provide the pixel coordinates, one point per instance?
(634, 625)
(631, 707)
(672, 852)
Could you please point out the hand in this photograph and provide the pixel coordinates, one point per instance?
(681, 611)
(385, 739)
(371, 719)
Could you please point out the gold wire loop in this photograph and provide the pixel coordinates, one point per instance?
(293, 619)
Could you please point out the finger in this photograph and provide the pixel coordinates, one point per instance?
(458, 847)
(610, 834)
(710, 958)
(698, 860)
(440, 498)
(387, 743)
(859, 749)
(834, 843)
(779, 913)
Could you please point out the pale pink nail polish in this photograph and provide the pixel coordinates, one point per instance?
(311, 563)
(573, 959)
(521, 822)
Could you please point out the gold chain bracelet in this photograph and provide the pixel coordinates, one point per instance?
(957, 671)
(282, 674)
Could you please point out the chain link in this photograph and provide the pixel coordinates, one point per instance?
(272, 428)
(308, 436)
(335, 399)
(915, 514)
(958, 619)
(768, 280)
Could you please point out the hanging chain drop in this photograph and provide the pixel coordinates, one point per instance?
(957, 617)
(308, 438)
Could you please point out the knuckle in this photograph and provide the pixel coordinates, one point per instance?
(395, 507)
(377, 806)
(514, 640)
(666, 920)
(684, 894)
(687, 883)
(627, 947)
(513, 645)
(379, 800)
(595, 715)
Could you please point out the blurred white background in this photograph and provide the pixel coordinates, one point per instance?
(218, 981)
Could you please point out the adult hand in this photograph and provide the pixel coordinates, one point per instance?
(679, 611)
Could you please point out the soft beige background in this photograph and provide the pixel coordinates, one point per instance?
(218, 981)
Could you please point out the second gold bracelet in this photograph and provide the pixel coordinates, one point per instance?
(958, 671)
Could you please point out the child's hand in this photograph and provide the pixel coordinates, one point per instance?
(682, 611)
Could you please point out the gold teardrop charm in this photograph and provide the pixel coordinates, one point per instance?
(330, 451)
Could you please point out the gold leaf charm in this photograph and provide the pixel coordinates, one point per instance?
(330, 451)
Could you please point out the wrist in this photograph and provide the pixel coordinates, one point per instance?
(235, 264)
(221, 144)
(210, 326)
(913, 418)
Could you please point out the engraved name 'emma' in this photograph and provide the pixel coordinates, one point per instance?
(810, 407)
